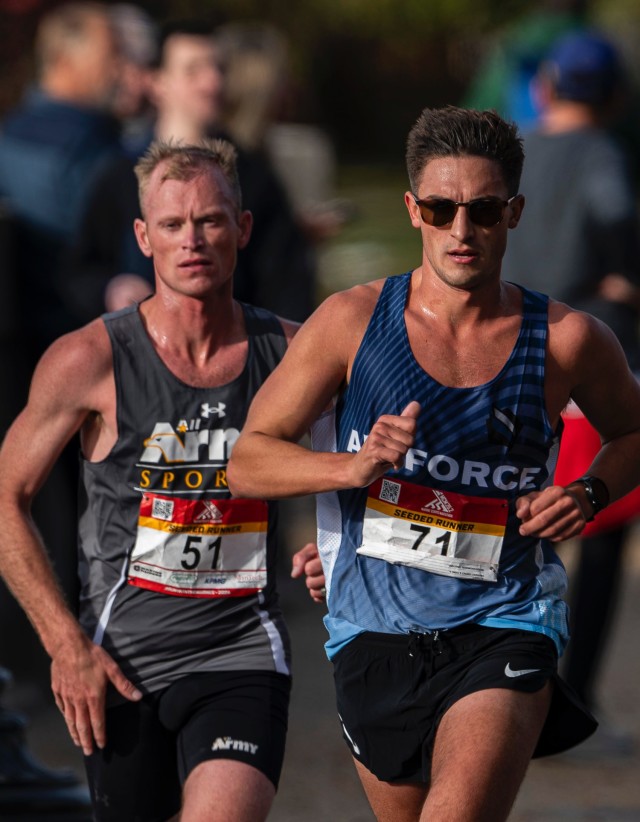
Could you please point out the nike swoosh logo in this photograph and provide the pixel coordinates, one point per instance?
(346, 733)
(510, 672)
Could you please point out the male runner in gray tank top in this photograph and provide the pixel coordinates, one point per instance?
(175, 678)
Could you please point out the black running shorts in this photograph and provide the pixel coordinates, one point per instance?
(154, 744)
(392, 691)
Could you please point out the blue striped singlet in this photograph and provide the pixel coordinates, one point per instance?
(492, 441)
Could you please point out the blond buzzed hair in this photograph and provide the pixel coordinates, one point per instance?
(184, 162)
(64, 28)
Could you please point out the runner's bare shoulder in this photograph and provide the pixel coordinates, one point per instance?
(348, 312)
(575, 337)
(75, 366)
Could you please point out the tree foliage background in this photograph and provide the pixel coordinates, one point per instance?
(363, 68)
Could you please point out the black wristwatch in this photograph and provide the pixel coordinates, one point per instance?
(597, 493)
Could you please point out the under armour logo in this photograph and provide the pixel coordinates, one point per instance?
(207, 410)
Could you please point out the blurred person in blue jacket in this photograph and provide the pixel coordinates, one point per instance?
(51, 147)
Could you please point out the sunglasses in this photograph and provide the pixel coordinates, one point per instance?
(485, 211)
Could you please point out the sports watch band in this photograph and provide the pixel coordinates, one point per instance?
(596, 492)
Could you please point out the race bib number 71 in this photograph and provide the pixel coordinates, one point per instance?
(449, 534)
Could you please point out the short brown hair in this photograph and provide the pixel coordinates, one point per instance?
(64, 28)
(459, 132)
(184, 162)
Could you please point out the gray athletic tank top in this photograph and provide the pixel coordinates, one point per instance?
(176, 577)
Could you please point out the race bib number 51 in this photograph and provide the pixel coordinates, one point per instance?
(442, 532)
(200, 548)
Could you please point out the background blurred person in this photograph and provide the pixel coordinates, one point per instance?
(277, 269)
(259, 90)
(578, 242)
(138, 35)
(506, 76)
(257, 79)
(51, 147)
(579, 191)
(104, 263)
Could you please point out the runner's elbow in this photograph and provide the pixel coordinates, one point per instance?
(239, 475)
(234, 479)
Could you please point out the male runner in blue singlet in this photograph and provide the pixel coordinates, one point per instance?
(179, 632)
(435, 400)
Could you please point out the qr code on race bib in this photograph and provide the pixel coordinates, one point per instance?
(390, 491)
(162, 509)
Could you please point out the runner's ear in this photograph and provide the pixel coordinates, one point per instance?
(245, 223)
(515, 210)
(140, 230)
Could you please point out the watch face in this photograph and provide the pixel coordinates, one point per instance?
(592, 487)
(592, 497)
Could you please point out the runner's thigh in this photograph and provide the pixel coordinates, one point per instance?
(235, 715)
(135, 777)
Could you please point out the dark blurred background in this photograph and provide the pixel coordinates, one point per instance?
(364, 70)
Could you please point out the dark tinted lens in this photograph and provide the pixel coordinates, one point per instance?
(485, 212)
(437, 212)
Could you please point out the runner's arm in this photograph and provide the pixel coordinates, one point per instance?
(601, 384)
(267, 460)
(58, 404)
